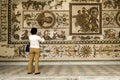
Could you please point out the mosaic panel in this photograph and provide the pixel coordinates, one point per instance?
(85, 18)
(57, 20)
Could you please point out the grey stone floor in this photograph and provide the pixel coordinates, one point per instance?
(61, 72)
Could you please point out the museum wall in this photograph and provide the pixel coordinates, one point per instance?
(74, 30)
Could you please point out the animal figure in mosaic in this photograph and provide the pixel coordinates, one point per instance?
(22, 51)
(116, 4)
(16, 27)
(96, 37)
(39, 5)
(62, 35)
(57, 5)
(25, 35)
(15, 17)
(55, 35)
(108, 3)
(27, 4)
(47, 35)
(110, 34)
(36, 5)
(42, 4)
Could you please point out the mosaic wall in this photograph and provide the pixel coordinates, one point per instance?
(73, 29)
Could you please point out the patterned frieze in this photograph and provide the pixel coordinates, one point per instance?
(64, 52)
(3, 20)
(74, 51)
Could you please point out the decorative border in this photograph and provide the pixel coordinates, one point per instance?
(3, 20)
(9, 23)
(118, 18)
(0, 19)
(84, 42)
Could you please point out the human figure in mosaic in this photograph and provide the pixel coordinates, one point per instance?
(94, 23)
(84, 20)
(78, 18)
(44, 20)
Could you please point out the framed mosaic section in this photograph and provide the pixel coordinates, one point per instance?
(22, 18)
(85, 18)
(46, 19)
(58, 26)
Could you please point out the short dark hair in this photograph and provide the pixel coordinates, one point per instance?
(33, 30)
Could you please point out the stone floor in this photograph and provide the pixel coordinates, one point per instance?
(61, 72)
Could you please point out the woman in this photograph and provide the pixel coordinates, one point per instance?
(34, 51)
